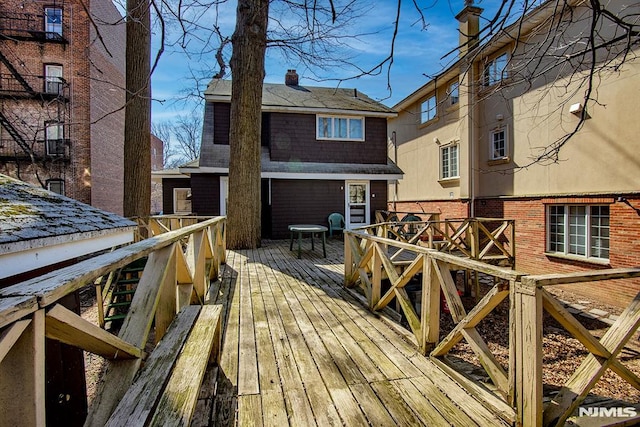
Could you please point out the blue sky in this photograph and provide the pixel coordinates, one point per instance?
(418, 54)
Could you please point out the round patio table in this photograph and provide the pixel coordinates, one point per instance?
(308, 229)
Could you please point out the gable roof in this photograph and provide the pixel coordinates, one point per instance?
(309, 99)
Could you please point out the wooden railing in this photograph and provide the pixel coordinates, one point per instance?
(487, 239)
(180, 266)
(516, 389)
(158, 224)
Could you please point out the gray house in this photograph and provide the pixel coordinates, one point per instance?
(324, 150)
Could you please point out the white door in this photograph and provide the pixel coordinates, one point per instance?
(224, 194)
(357, 203)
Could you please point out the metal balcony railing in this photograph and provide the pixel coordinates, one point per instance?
(41, 149)
(44, 86)
(28, 26)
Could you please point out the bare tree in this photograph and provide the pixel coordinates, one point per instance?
(181, 139)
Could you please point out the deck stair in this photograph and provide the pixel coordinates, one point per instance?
(116, 292)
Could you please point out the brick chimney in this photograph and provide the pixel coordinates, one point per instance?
(469, 19)
(291, 78)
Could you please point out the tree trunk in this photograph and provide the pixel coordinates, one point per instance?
(137, 117)
(247, 66)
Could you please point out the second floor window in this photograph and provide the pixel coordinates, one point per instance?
(449, 161)
(428, 109)
(53, 79)
(495, 70)
(53, 22)
(498, 144)
(342, 128)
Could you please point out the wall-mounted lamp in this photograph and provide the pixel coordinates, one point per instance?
(436, 141)
(622, 199)
(499, 117)
(576, 108)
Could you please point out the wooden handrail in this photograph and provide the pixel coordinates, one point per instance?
(181, 264)
(519, 398)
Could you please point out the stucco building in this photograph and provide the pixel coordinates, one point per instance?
(61, 97)
(478, 140)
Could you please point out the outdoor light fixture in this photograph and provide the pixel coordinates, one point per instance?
(576, 108)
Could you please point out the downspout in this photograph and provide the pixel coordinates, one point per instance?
(472, 145)
(395, 160)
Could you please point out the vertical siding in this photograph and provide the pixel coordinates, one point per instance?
(293, 139)
(303, 202)
(205, 190)
(168, 184)
(221, 120)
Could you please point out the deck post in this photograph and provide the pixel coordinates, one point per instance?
(430, 308)
(348, 260)
(528, 352)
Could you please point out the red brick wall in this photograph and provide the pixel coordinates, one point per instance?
(530, 216)
(448, 209)
(90, 176)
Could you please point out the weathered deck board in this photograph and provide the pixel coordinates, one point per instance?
(299, 350)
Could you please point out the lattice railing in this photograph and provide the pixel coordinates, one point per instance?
(516, 392)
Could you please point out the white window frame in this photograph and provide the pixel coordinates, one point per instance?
(57, 181)
(52, 80)
(453, 88)
(495, 70)
(347, 204)
(428, 109)
(334, 120)
(590, 228)
(492, 143)
(57, 139)
(175, 201)
(448, 148)
(51, 28)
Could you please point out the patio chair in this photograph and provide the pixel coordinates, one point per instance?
(336, 223)
(409, 230)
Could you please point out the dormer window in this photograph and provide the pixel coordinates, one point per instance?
(495, 71)
(340, 128)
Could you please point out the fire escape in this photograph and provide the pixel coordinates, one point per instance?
(33, 107)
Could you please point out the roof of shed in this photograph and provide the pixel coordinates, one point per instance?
(32, 213)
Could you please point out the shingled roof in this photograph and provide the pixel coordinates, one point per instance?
(278, 97)
(30, 213)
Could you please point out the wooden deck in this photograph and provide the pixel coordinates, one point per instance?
(300, 350)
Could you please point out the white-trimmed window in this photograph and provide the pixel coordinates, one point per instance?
(578, 230)
(54, 138)
(340, 128)
(495, 71)
(53, 22)
(499, 143)
(53, 79)
(449, 161)
(56, 185)
(453, 93)
(182, 200)
(428, 109)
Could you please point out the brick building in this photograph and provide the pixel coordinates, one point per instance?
(467, 141)
(61, 97)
